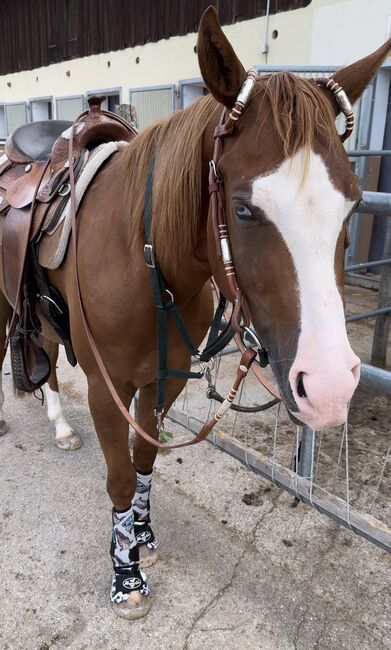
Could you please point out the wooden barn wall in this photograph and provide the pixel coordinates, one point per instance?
(35, 33)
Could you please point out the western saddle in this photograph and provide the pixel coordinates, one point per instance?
(34, 190)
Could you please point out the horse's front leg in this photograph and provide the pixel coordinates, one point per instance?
(144, 455)
(130, 592)
(65, 437)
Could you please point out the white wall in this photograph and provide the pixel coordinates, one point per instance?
(348, 30)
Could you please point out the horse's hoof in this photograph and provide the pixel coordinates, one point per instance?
(69, 443)
(3, 428)
(136, 606)
(148, 556)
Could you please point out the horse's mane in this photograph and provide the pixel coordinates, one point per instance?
(297, 107)
(177, 142)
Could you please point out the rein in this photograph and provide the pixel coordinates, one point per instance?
(240, 316)
(245, 363)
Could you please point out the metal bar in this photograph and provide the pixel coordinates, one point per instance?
(326, 503)
(296, 68)
(367, 265)
(368, 314)
(375, 203)
(376, 378)
(382, 324)
(356, 153)
(305, 455)
(360, 280)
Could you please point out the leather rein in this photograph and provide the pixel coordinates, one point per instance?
(240, 316)
(245, 363)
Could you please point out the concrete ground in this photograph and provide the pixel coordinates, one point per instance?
(264, 576)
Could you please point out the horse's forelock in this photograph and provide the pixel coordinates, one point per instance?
(300, 111)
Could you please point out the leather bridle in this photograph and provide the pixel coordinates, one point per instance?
(240, 317)
(216, 188)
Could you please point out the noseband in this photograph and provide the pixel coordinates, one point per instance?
(240, 316)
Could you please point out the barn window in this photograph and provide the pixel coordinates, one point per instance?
(152, 103)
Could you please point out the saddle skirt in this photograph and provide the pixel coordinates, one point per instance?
(35, 221)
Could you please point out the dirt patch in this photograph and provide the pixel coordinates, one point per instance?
(67, 388)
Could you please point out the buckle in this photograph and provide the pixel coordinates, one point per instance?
(214, 170)
(149, 257)
(64, 190)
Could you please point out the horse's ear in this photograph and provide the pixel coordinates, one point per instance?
(220, 67)
(356, 77)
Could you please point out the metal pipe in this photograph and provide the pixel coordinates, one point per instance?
(265, 48)
(368, 314)
(375, 203)
(382, 325)
(376, 378)
(318, 69)
(358, 153)
(367, 265)
(306, 448)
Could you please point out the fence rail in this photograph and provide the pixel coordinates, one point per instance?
(301, 487)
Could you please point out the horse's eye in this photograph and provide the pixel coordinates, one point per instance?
(244, 213)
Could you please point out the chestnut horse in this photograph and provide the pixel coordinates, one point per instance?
(289, 191)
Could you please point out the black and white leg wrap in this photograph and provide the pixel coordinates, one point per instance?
(141, 507)
(125, 582)
(140, 502)
(145, 535)
(125, 557)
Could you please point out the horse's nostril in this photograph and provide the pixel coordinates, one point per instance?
(300, 386)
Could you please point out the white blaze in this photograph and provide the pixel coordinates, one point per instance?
(309, 214)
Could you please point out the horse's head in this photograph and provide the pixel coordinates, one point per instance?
(289, 192)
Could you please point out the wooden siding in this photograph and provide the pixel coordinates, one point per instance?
(35, 33)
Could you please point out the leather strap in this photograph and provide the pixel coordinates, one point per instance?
(246, 361)
(220, 229)
(20, 279)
